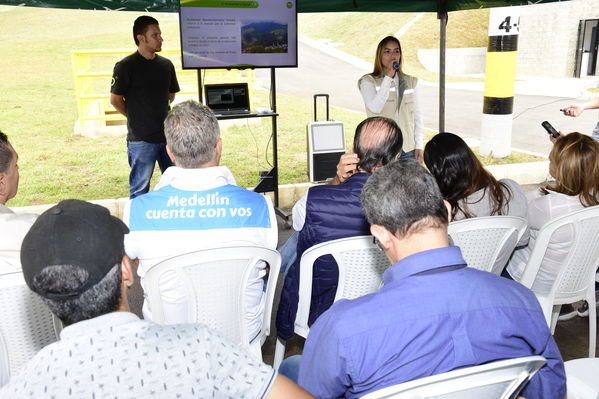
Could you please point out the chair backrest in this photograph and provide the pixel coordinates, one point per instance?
(26, 325)
(361, 265)
(487, 242)
(497, 380)
(9, 261)
(215, 282)
(577, 272)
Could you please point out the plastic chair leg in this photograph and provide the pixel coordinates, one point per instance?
(554, 317)
(592, 324)
(279, 353)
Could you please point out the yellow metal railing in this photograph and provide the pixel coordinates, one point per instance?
(92, 73)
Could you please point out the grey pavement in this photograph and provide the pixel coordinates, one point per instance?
(325, 69)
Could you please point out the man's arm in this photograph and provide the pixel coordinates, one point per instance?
(118, 102)
(576, 110)
(348, 163)
(323, 368)
(171, 97)
(284, 388)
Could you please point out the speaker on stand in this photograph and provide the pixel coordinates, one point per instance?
(326, 144)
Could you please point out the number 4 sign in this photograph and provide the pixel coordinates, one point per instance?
(504, 21)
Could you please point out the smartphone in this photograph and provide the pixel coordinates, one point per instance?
(550, 129)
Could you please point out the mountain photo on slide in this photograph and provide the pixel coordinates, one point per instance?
(263, 37)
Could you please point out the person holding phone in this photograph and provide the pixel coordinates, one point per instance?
(578, 109)
(389, 92)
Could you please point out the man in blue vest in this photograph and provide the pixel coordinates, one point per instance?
(197, 205)
(331, 212)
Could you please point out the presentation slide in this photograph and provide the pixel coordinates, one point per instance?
(238, 34)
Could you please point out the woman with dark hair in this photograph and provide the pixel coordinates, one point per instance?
(464, 182)
(574, 163)
(389, 92)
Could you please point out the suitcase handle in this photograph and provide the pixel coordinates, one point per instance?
(326, 96)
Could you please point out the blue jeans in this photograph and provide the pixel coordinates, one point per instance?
(290, 367)
(409, 154)
(142, 158)
(289, 252)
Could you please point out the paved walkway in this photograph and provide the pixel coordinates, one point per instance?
(323, 68)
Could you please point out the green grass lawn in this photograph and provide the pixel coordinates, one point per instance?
(39, 106)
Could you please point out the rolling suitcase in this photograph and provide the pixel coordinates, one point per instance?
(326, 144)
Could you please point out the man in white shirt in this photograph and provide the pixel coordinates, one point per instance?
(197, 205)
(13, 227)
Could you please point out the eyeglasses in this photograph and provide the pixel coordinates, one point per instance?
(388, 51)
(377, 243)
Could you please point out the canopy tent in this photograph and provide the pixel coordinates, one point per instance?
(302, 5)
(441, 7)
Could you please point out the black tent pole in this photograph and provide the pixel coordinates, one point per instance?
(442, 16)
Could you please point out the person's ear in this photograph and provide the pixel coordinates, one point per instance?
(127, 272)
(449, 209)
(141, 38)
(170, 154)
(3, 186)
(219, 150)
(383, 236)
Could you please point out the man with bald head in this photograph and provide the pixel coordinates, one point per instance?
(331, 212)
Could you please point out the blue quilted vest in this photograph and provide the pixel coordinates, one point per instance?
(332, 212)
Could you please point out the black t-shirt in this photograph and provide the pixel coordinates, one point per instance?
(146, 85)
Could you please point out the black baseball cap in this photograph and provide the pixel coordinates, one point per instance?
(76, 233)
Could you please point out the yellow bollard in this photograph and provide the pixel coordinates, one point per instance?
(500, 79)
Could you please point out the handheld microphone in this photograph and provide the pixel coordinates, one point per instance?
(396, 66)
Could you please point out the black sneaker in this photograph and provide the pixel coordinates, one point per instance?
(583, 310)
(568, 312)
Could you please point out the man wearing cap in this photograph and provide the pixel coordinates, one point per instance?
(13, 227)
(74, 258)
(197, 205)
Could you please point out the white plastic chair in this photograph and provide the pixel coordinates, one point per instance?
(9, 261)
(26, 325)
(576, 278)
(581, 377)
(498, 380)
(361, 265)
(215, 282)
(487, 242)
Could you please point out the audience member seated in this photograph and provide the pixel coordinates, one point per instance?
(74, 258)
(470, 189)
(574, 164)
(331, 212)
(433, 314)
(197, 205)
(13, 227)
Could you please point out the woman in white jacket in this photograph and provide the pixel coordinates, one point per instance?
(574, 163)
(389, 92)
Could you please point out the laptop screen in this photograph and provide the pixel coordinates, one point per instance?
(227, 97)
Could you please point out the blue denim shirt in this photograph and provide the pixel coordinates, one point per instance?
(433, 315)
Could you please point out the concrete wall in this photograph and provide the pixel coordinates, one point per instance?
(458, 61)
(548, 36)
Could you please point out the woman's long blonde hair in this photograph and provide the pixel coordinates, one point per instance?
(378, 64)
(575, 158)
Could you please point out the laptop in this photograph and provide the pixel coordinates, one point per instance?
(227, 98)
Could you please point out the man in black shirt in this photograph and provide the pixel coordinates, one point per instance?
(143, 86)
